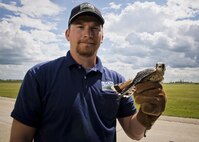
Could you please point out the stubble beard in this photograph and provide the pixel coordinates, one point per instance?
(86, 50)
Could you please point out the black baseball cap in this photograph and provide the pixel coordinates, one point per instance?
(85, 9)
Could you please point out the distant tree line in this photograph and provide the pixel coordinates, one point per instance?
(172, 82)
(183, 82)
(11, 80)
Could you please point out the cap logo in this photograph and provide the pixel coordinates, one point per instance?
(87, 6)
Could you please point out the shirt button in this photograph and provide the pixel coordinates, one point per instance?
(79, 67)
(84, 77)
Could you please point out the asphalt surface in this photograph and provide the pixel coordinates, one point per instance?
(166, 129)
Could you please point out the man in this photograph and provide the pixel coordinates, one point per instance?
(69, 99)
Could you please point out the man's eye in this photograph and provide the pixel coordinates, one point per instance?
(80, 27)
(96, 28)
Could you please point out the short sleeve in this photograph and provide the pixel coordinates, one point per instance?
(27, 108)
(126, 108)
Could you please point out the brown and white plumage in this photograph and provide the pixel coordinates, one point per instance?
(153, 74)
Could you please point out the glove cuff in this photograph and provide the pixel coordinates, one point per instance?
(146, 120)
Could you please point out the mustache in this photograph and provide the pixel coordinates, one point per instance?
(87, 41)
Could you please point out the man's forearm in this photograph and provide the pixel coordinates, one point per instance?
(136, 129)
(21, 132)
(132, 127)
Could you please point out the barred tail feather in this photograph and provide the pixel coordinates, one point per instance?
(116, 88)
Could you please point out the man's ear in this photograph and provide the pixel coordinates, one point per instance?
(67, 34)
(102, 38)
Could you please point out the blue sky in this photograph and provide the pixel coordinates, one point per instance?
(138, 33)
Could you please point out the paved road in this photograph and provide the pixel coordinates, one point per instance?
(166, 129)
(6, 105)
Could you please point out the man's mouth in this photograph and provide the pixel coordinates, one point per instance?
(88, 43)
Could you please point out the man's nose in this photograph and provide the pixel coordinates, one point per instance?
(88, 32)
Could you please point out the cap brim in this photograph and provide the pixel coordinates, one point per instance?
(100, 18)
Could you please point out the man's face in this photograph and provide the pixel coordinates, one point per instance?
(85, 35)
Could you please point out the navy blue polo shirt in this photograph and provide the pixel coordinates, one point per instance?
(66, 103)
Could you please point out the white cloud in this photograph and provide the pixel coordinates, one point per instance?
(13, 71)
(181, 74)
(115, 6)
(26, 37)
(37, 9)
(180, 9)
(139, 34)
(145, 33)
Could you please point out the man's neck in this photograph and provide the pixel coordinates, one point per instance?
(86, 62)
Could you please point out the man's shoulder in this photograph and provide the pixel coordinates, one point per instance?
(46, 71)
(48, 64)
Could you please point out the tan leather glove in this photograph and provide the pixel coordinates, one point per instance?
(152, 100)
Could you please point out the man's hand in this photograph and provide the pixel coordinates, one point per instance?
(152, 100)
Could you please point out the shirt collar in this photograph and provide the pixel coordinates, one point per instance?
(71, 62)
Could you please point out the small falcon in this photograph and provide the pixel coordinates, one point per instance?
(152, 74)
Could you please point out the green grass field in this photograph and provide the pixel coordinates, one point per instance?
(182, 99)
(9, 89)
